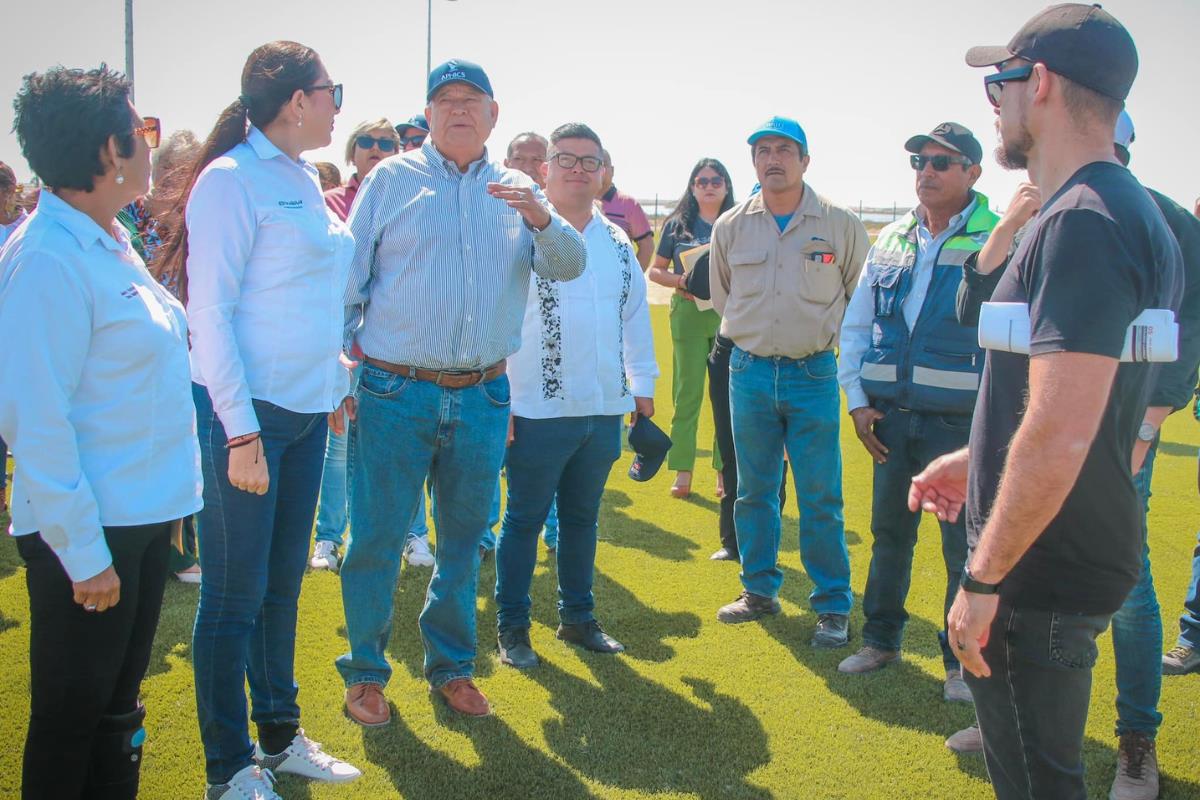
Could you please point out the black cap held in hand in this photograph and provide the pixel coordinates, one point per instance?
(1081, 42)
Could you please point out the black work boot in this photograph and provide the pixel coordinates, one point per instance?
(590, 636)
(515, 649)
(116, 760)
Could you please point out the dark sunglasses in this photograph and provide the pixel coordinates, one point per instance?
(705, 182)
(940, 163)
(994, 84)
(335, 91)
(417, 140)
(384, 144)
(569, 160)
(151, 131)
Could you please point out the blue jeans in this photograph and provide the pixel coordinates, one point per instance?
(570, 457)
(1137, 634)
(331, 510)
(913, 439)
(550, 531)
(407, 430)
(776, 402)
(420, 527)
(253, 551)
(1189, 621)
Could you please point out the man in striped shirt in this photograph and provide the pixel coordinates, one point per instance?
(445, 246)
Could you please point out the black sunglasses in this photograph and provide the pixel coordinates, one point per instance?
(569, 160)
(994, 84)
(384, 144)
(940, 163)
(418, 140)
(334, 89)
(704, 182)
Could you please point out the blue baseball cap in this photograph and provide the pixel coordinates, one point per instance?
(419, 122)
(458, 71)
(651, 445)
(781, 126)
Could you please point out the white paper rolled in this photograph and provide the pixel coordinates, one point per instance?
(1152, 336)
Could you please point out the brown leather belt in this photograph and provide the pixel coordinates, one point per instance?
(450, 379)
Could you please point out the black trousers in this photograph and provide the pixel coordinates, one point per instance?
(718, 395)
(1033, 708)
(86, 668)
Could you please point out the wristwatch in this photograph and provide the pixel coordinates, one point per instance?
(1147, 432)
(969, 584)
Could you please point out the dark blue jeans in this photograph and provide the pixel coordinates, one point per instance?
(253, 551)
(1137, 635)
(1033, 708)
(1189, 621)
(913, 440)
(778, 402)
(570, 457)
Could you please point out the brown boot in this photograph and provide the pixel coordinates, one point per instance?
(367, 706)
(462, 695)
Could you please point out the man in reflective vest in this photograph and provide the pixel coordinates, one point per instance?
(910, 372)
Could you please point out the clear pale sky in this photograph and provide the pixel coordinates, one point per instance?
(664, 82)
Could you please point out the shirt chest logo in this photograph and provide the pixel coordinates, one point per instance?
(130, 293)
(291, 204)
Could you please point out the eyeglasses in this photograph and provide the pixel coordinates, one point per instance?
(704, 182)
(335, 91)
(412, 141)
(151, 131)
(940, 163)
(993, 85)
(385, 144)
(569, 160)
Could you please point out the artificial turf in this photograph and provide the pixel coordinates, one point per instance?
(693, 708)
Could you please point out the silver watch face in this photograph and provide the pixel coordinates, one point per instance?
(1146, 432)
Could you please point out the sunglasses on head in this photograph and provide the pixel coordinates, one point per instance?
(384, 144)
(705, 182)
(151, 131)
(993, 85)
(335, 91)
(569, 160)
(940, 163)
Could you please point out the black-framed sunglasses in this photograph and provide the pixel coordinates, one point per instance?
(569, 160)
(384, 144)
(940, 163)
(703, 182)
(994, 84)
(413, 141)
(151, 131)
(335, 91)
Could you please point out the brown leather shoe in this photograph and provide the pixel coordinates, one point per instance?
(367, 706)
(462, 695)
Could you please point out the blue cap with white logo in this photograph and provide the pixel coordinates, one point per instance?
(781, 126)
(458, 71)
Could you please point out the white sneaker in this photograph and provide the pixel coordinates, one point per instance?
(305, 758)
(250, 783)
(417, 552)
(325, 556)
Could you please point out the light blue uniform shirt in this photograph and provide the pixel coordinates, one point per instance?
(97, 403)
(860, 312)
(441, 268)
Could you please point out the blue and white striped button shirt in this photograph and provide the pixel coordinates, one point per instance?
(441, 268)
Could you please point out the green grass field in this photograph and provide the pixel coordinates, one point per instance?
(692, 709)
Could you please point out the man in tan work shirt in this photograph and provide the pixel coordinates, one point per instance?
(784, 264)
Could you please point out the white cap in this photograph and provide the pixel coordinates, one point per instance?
(1123, 135)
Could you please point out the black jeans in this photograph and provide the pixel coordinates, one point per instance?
(1033, 708)
(718, 395)
(86, 668)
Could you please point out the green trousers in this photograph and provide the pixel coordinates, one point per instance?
(692, 334)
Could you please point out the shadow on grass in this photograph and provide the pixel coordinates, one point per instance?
(175, 623)
(10, 560)
(1178, 449)
(508, 767)
(620, 530)
(633, 733)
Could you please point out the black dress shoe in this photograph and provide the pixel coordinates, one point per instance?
(725, 554)
(590, 636)
(515, 649)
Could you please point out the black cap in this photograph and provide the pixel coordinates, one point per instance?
(651, 446)
(949, 134)
(1081, 42)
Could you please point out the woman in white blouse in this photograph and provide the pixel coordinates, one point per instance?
(97, 409)
(262, 266)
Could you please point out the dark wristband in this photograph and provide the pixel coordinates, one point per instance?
(242, 443)
(969, 584)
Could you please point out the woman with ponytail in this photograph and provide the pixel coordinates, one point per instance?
(262, 264)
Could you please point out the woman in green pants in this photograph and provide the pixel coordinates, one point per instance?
(693, 328)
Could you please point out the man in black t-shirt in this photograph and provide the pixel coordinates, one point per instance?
(1052, 512)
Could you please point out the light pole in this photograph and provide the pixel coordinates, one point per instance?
(428, 36)
(129, 46)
